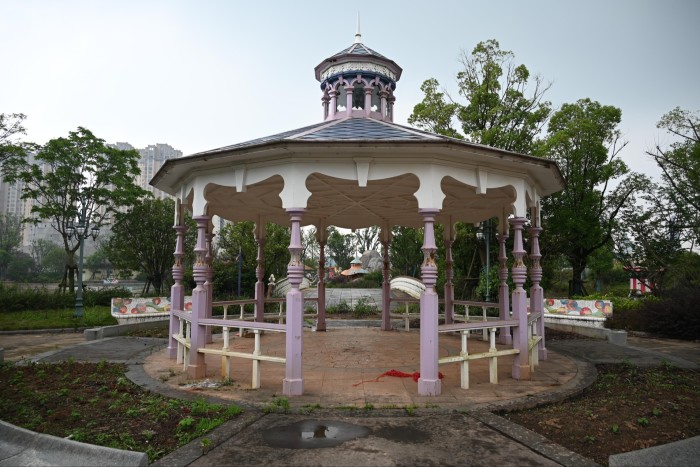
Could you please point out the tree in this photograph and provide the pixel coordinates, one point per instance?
(340, 247)
(367, 239)
(71, 174)
(311, 248)
(239, 237)
(98, 261)
(584, 140)
(10, 240)
(501, 110)
(434, 113)
(49, 260)
(680, 166)
(143, 240)
(10, 128)
(234, 240)
(405, 251)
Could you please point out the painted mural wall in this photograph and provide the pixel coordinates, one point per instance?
(122, 307)
(570, 307)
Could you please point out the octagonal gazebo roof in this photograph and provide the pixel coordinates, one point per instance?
(357, 168)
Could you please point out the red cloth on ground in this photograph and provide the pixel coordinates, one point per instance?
(396, 374)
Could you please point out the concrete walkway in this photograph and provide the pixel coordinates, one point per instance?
(456, 428)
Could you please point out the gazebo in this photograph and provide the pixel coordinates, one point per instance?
(357, 169)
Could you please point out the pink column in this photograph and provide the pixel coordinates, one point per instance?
(293, 384)
(503, 291)
(386, 286)
(382, 98)
(196, 367)
(260, 273)
(177, 293)
(521, 366)
(536, 293)
(334, 103)
(348, 99)
(429, 381)
(209, 284)
(449, 275)
(368, 100)
(321, 288)
(324, 102)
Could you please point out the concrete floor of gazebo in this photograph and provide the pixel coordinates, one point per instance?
(341, 367)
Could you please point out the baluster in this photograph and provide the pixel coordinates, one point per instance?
(493, 361)
(256, 362)
(465, 363)
(226, 359)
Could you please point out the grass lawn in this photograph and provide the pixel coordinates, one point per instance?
(52, 319)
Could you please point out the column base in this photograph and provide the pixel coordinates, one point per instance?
(196, 371)
(429, 387)
(171, 352)
(521, 372)
(542, 354)
(504, 337)
(293, 387)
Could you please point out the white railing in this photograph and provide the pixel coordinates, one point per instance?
(468, 317)
(184, 343)
(280, 314)
(465, 357)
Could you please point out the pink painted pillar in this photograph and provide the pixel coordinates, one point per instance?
(196, 367)
(429, 383)
(348, 99)
(209, 284)
(260, 273)
(386, 286)
(332, 108)
(324, 102)
(536, 293)
(321, 288)
(521, 366)
(293, 384)
(177, 291)
(368, 100)
(382, 97)
(449, 275)
(505, 337)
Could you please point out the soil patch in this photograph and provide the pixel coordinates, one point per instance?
(626, 409)
(95, 403)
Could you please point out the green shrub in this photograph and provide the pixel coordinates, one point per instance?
(675, 316)
(363, 307)
(15, 298)
(340, 308)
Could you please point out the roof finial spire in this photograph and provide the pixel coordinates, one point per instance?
(358, 36)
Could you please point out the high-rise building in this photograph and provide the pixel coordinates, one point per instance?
(152, 158)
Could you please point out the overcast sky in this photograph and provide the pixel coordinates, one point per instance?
(204, 74)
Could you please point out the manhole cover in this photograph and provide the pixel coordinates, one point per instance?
(312, 434)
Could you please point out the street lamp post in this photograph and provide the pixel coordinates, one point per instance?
(484, 233)
(81, 232)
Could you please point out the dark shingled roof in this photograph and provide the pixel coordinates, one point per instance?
(350, 129)
(359, 48)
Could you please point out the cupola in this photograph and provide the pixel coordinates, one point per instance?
(358, 82)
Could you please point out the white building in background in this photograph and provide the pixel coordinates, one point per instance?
(152, 158)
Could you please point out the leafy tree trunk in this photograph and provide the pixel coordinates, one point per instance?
(576, 286)
(158, 284)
